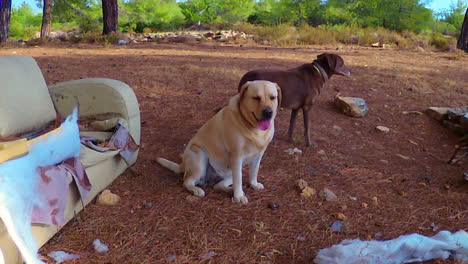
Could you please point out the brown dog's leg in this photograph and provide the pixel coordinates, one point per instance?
(305, 113)
(291, 125)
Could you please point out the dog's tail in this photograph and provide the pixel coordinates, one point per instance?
(177, 168)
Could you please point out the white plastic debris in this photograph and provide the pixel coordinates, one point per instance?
(18, 177)
(62, 256)
(99, 246)
(404, 249)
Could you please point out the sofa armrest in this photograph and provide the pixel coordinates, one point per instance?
(98, 96)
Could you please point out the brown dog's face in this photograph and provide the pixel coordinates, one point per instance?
(259, 102)
(335, 63)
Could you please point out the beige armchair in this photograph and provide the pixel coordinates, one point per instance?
(27, 104)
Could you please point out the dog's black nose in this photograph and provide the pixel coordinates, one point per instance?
(267, 113)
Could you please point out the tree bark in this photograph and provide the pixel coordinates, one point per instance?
(110, 16)
(5, 12)
(46, 18)
(463, 39)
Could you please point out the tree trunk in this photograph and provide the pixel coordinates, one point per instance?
(463, 39)
(46, 18)
(5, 12)
(109, 16)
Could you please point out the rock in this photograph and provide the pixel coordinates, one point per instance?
(328, 195)
(293, 151)
(336, 226)
(107, 198)
(308, 192)
(273, 206)
(122, 42)
(375, 201)
(419, 49)
(383, 129)
(302, 184)
(340, 216)
(365, 205)
(321, 152)
(438, 113)
(455, 114)
(148, 205)
(351, 106)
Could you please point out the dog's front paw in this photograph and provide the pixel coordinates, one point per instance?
(257, 186)
(198, 192)
(241, 199)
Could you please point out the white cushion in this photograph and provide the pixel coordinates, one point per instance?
(25, 103)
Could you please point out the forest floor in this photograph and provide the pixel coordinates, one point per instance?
(179, 86)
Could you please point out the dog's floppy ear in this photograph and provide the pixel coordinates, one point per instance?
(335, 63)
(280, 95)
(243, 89)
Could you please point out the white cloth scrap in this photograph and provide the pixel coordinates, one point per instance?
(404, 249)
(62, 256)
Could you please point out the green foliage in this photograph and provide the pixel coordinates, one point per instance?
(24, 22)
(216, 11)
(282, 22)
(136, 15)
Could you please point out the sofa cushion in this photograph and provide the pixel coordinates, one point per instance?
(25, 103)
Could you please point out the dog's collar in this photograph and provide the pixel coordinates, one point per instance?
(321, 71)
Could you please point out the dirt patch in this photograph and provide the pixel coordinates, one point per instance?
(179, 86)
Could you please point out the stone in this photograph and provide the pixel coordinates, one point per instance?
(149, 205)
(455, 114)
(340, 216)
(308, 192)
(273, 206)
(293, 151)
(321, 152)
(328, 195)
(438, 113)
(351, 106)
(107, 198)
(365, 205)
(383, 129)
(375, 201)
(302, 184)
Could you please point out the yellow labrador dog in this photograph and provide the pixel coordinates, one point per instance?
(238, 134)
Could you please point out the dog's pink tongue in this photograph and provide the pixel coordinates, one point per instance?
(264, 124)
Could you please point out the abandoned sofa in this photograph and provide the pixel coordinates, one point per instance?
(111, 111)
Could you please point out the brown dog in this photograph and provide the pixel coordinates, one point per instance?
(301, 86)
